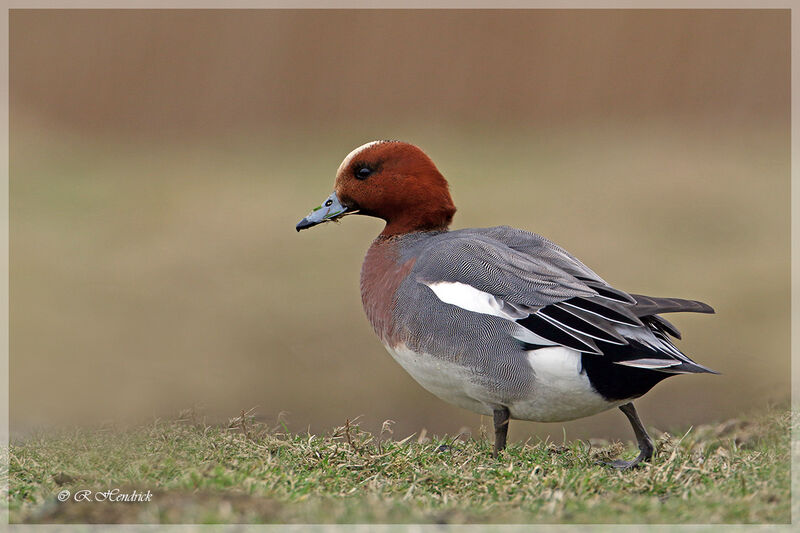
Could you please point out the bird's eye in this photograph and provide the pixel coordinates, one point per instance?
(329, 203)
(363, 173)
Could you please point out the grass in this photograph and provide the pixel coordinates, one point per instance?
(736, 471)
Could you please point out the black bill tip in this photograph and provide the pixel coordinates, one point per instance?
(305, 224)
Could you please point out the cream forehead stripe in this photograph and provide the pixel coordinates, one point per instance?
(354, 153)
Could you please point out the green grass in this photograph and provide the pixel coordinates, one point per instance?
(735, 471)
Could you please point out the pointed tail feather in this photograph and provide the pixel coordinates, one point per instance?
(650, 305)
(690, 368)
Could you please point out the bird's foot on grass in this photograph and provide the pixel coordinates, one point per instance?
(619, 464)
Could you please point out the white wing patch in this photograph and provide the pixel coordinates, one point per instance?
(469, 298)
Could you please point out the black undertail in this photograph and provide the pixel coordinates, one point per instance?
(615, 381)
(618, 382)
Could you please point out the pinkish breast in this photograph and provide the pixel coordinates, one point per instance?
(381, 275)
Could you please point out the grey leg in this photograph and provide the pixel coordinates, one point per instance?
(646, 447)
(501, 417)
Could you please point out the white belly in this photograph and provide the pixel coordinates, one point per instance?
(561, 391)
(449, 381)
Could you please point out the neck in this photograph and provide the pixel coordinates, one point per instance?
(401, 227)
(394, 229)
(434, 219)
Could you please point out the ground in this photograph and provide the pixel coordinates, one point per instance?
(736, 471)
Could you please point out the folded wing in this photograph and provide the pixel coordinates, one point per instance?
(553, 298)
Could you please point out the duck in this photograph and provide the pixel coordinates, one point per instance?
(498, 320)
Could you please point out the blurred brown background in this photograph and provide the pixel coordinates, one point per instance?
(160, 159)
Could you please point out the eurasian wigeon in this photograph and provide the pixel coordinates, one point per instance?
(497, 320)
